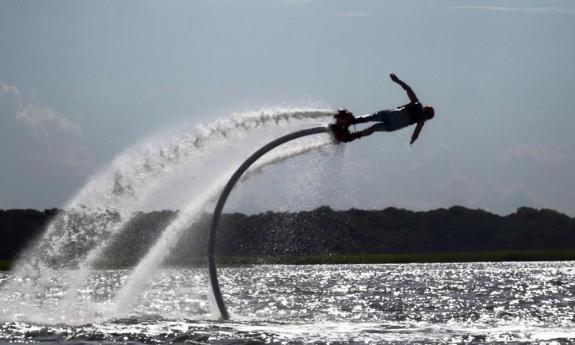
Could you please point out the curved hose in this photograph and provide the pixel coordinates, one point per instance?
(213, 273)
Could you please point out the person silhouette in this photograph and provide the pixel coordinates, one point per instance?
(388, 120)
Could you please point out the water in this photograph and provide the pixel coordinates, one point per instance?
(197, 161)
(138, 277)
(518, 303)
(78, 236)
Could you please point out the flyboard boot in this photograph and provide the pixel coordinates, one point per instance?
(340, 129)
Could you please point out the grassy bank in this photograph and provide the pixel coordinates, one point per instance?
(492, 256)
(337, 259)
(5, 265)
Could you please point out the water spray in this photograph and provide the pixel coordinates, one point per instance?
(213, 273)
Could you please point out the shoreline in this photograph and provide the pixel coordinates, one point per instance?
(350, 259)
(406, 258)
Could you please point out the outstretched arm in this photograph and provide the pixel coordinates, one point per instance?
(410, 93)
(416, 132)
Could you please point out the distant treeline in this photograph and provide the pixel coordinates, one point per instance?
(322, 231)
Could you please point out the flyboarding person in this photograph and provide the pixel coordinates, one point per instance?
(389, 120)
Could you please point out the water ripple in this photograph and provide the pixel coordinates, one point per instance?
(519, 303)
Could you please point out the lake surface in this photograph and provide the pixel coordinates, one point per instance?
(522, 303)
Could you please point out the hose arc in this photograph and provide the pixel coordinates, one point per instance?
(212, 271)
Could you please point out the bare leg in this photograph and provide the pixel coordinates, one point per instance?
(380, 116)
(362, 133)
(364, 119)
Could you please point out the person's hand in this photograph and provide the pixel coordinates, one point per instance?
(394, 77)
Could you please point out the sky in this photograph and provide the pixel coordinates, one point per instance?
(81, 81)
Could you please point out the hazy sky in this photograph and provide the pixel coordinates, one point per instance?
(82, 80)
